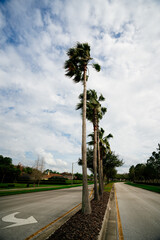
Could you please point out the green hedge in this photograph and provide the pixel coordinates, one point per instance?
(54, 182)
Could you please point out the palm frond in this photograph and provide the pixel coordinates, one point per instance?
(96, 66)
(101, 98)
(104, 110)
(79, 106)
(90, 143)
(77, 77)
(91, 135)
(109, 136)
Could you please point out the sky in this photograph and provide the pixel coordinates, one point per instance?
(37, 101)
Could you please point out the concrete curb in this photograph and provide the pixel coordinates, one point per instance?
(102, 233)
(44, 235)
(48, 231)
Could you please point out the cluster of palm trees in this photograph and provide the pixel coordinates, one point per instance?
(90, 104)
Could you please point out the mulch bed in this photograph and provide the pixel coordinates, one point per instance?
(83, 227)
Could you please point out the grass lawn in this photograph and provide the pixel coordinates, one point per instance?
(147, 187)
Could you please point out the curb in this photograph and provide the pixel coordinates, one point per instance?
(103, 231)
(47, 231)
(45, 234)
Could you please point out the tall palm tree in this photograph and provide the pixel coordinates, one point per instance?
(94, 113)
(76, 68)
(104, 149)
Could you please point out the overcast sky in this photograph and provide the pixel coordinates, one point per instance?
(37, 101)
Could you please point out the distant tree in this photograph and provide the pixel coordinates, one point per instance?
(5, 165)
(50, 171)
(28, 170)
(78, 176)
(154, 164)
(132, 173)
(8, 171)
(140, 171)
(149, 171)
(122, 176)
(110, 162)
(38, 170)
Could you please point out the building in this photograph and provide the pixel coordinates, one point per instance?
(49, 175)
(67, 175)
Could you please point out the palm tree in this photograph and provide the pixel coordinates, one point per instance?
(76, 68)
(94, 114)
(104, 149)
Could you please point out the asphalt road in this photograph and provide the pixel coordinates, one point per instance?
(139, 212)
(24, 214)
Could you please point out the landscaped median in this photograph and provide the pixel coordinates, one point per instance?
(80, 226)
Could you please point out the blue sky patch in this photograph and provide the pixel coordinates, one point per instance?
(116, 35)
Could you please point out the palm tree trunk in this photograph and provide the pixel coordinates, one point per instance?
(86, 207)
(102, 181)
(99, 166)
(96, 195)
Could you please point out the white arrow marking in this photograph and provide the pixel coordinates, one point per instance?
(18, 221)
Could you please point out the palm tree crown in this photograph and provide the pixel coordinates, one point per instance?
(79, 58)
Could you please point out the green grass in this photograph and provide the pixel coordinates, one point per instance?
(20, 185)
(36, 189)
(108, 187)
(146, 187)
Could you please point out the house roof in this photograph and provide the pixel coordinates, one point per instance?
(66, 173)
(46, 176)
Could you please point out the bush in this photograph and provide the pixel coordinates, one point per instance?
(11, 185)
(56, 181)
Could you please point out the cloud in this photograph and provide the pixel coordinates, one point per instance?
(37, 102)
(50, 162)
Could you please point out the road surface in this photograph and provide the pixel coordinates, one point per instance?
(24, 214)
(139, 212)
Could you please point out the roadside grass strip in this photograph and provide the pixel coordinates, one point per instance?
(108, 187)
(146, 187)
(22, 185)
(37, 189)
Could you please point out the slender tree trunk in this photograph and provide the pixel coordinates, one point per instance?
(86, 207)
(99, 166)
(102, 178)
(96, 194)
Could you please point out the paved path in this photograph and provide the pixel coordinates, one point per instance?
(36, 209)
(139, 212)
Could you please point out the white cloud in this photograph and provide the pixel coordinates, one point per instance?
(37, 102)
(50, 161)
